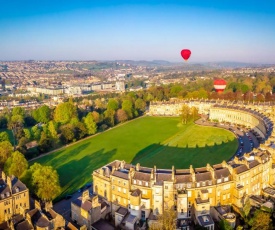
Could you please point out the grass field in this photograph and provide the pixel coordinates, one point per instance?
(150, 141)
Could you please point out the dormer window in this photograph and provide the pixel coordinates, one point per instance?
(16, 189)
(134, 181)
(219, 180)
(7, 194)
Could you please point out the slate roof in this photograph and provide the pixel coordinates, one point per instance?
(221, 173)
(24, 225)
(241, 168)
(253, 163)
(16, 183)
(38, 219)
(206, 176)
(123, 175)
(136, 192)
(160, 177)
(142, 176)
(183, 178)
(182, 171)
(102, 225)
(122, 211)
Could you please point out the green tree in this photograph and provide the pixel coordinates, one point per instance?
(16, 164)
(36, 132)
(42, 114)
(45, 181)
(16, 124)
(67, 133)
(64, 112)
(79, 130)
(18, 111)
(45, 143)
(166, 221)
(112, 104)
(27, 134)
(127, 106)
(4, 136)
(22, 145)
(261, 220)
(52, 127)
(90, 124)
(109, 117)
(224, 225)
(5, 151)
(140, 105)
(185, 114)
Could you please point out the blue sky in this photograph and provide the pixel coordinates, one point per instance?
(138, 30)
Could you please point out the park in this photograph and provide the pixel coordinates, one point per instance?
(160, 141)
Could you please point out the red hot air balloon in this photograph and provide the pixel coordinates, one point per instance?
(185, 54)
(219, 85)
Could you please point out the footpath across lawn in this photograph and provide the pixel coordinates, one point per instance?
(159, 141)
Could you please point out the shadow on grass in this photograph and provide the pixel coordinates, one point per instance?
(165, 156)
(76, 173)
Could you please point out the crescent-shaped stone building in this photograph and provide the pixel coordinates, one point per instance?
(137, 193)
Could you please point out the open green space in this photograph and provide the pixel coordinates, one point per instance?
(159, 141)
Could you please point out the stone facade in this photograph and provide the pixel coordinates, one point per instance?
(14, 197)
(192, 192)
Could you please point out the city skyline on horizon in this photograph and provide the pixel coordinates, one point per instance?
(146, 30)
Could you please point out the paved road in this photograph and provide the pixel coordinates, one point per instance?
(240, 134)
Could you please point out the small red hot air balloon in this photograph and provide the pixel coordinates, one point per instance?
(185, 54)
(219, 85)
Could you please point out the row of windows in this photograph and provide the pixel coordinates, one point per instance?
(119, 189)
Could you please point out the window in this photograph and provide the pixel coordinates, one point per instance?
(181, 211)
(223, 197)
(189, 204)
(219, 180)
(189, 213)
(119, 189)
(146, 183)
(166, 187)
(140, 182)
(134, 181)
(198, 184)
(124, 190)
(113, 187)
(226, 179)
(189, 193)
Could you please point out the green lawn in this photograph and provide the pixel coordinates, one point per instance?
(150, 141)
